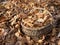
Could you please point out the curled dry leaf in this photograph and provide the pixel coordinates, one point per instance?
(2, 19)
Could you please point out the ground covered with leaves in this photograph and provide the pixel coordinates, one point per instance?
(11, 14)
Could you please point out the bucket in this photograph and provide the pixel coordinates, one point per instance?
(39, 31)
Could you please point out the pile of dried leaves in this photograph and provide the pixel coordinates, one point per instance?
(11, 14)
